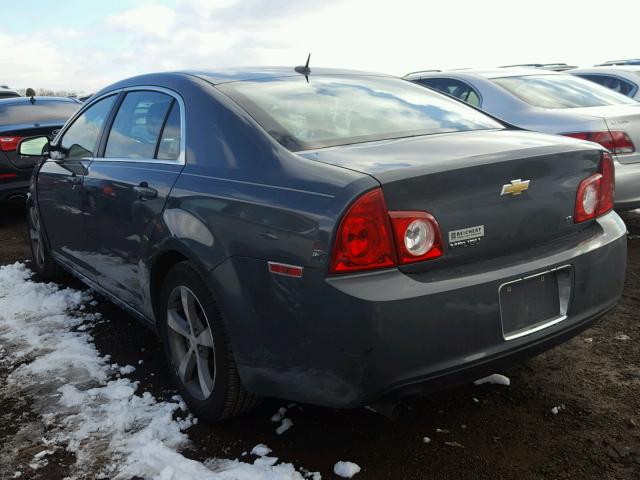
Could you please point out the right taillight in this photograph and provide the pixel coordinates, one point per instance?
(616, 141)
(370, 237)
(596, 192)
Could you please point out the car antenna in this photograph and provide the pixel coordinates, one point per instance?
(31, 93)
(304, 70)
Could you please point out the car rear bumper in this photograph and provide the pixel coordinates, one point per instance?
(627, 186)
(347, 341)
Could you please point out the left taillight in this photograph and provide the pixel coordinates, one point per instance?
(596, 192)
(370, 237)
(9, 144)
(616, 141)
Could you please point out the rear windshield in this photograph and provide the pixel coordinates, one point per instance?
(560, 91)
(339, 110)
(40, 112)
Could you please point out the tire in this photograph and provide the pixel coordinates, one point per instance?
(197, 347)
(41, 260)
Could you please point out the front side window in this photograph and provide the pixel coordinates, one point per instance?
(560, 91)
(138, 125)
(338, 110)
(80, 139)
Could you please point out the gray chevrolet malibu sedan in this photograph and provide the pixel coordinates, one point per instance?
(332, 237)
(560, 103)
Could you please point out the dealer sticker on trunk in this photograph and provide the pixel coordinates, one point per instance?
(466, 236)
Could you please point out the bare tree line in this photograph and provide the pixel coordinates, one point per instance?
(47, 92)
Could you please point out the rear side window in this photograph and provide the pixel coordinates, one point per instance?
(138, 126)
(8, 94)
(612, 83)
(39, 112)
(80, 139)
(560, 91)
(453, 87)
(169, 148)
(338, 110)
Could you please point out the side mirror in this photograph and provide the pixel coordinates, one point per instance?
(34, 146)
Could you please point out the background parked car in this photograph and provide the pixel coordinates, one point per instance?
(557, 103)
(554, 67)
(6, 92)
(624, 79)
(23, 117)
(335, 238)
(632, 61)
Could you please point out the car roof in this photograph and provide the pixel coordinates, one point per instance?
(264, 73)
(23, 100)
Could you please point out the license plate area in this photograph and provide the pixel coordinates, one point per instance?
(532, 303)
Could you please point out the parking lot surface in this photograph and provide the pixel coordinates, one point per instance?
(573, 412)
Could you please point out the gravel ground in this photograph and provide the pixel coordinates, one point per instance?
(490, 431)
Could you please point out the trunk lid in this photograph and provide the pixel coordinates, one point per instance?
(619, 117)
(460, 177)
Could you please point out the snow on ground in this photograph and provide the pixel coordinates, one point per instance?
(112, 429)
(346, 469)
(495, 379)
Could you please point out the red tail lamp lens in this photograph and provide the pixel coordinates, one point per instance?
(364, 239)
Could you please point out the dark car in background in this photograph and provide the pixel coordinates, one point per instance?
(24, 117)
(6, 92)
(331, 237)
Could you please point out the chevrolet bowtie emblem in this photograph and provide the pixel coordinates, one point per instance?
(516, 187)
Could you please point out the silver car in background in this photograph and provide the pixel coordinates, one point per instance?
(624, 79)
(559, 103)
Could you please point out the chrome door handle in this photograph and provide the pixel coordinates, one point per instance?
(145, 192)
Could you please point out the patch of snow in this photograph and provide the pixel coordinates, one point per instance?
(558, 409)
(426, 440)
(279, 415)
(588, 340)
(623, 337)
(261, 450)
(346, 469)
(286, 424)
(495, 379)
(128, 369)
(112, 429)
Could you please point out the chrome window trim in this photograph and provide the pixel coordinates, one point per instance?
(181, 160)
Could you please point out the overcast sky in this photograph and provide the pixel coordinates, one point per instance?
(85, 45)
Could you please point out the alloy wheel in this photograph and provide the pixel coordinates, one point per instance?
(191, 343)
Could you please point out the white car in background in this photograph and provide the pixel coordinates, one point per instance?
(550, 102)
(624, 79)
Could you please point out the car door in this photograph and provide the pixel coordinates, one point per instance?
(60, 192)
(127, 185)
